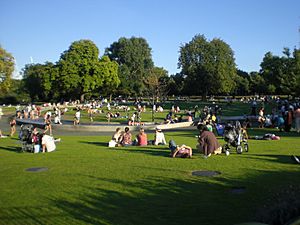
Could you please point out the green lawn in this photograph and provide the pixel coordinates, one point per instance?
(89, 183)
(237, 109)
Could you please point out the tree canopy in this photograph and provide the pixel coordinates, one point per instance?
(209, 66)
(135, 62)
(7, 66)
(281, 73)
(78, 72)
(39, 80)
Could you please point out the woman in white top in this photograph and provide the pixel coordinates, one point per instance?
(159, 137)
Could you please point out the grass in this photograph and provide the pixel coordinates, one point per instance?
(89, 183)
(238, 109)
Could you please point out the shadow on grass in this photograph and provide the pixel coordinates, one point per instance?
(148, 151)
(97, 143)
(285, 159)
(262, 131)
(11, 149)
(178, 201)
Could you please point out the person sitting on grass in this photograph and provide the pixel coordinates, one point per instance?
(207, 142)
(117, 137)
(182, 151)
(48, 143)
(142, 138)
(126, 138)
(159, 138)
(2, 135)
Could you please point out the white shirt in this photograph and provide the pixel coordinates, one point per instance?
(160, 138)
(77, 114)
(48, 141)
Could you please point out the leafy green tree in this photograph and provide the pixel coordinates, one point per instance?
(7, 65)
(209, 66)
(176, 84)
(157, 82)
(280, 72)
(110, 71)
(296, 55)
(80, 71)
(257, 83)
(39, 80)
(135, 62)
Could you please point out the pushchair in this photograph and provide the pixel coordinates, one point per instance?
(25, 136)
(234, 136)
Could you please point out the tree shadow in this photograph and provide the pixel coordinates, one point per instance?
(97, 143)
(285, 159)
(11, 149)
(148, 151)
(171, 201)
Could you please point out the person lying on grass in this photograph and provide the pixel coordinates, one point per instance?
(182, 151)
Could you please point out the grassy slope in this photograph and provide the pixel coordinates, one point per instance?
(88, 183)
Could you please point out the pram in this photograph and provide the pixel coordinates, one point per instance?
(234, 136)
(25, 137)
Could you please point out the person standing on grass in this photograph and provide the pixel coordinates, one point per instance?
(77, 117)
(90, 112)
(48, 126)
(12, 124)
(297, 119)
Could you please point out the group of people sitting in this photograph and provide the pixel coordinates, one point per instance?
(43, 142)
(124, 138)
(207, 142)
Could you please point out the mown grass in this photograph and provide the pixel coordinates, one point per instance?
(89, 183)
(235, 109)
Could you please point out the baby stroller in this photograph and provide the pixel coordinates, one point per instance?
(25, 136)
(234, 136)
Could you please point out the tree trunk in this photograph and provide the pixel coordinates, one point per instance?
(152, 109)
(110, 96)
(204, 96)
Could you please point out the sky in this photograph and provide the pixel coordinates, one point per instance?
(41, 30)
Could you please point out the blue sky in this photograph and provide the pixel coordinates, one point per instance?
(43, 29)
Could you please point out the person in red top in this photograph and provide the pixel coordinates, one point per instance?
(142, 138)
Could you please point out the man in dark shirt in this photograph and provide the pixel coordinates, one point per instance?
(208, 143)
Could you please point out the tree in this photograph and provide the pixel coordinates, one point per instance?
(176, 84)
(39, 80)
(135, 62)
(7, 66)
(110, 71)
(242, 81)
(209, 67)
(280, 72)
(257, 83)
(80, 71)
(156, 84)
